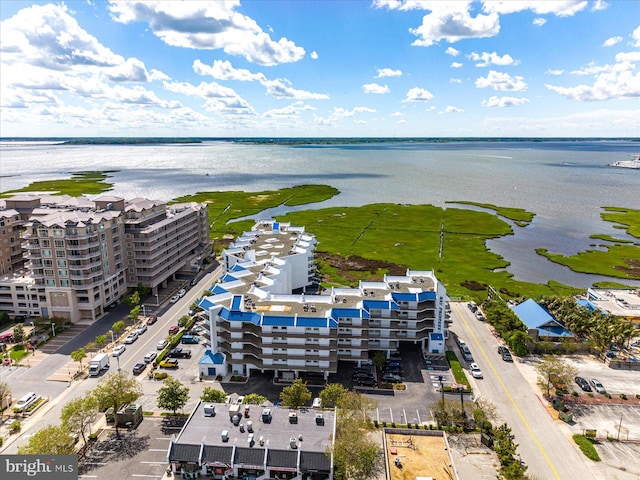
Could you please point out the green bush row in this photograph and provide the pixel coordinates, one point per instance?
(586, 446)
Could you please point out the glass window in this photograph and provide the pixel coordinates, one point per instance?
(62, 263)
(63, 273)
(46, 252)
(60, 253)
(59, 243)
(51, 283)
(64, 283)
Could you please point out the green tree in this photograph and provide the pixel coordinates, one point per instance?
(5, 395)
(143, 290)
(117, 390)
(173, 395)
(354, 404)
(211, 395)
(356, 456)
(448, 414)
(296, 394)
(118, 326)
(101, 340)
(183, 321)
(4, 318)
(79, 355)
(51, 440)
(484, 413)
(518, 341)
(133, 299)
(505, 447)
(331, 394)
(254, 399)
(552, 370)
(79, 414)
(18, 334)
(379, 359)
(135, 311)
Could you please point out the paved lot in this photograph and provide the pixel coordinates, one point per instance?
(607, 420)
(622, 460)
(615, 381)
(141, 453)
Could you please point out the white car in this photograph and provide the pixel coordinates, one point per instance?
(132, 337)
(118, 351)
(161, 344)
(140, 329)
(174, 299)
(182, 293)
(150, 357)
(597, 386)
(475, 370)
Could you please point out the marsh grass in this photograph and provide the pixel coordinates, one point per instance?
(80, 183)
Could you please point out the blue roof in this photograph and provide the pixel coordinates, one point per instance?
(237, 268)
(228, 278)
(282, 321)
(217, 290)
(316, 322)
(205, 303)
(381, 304)
(536, 317)
(346, 312)
(236, 303)
(436, 336)
(212, 358)
(587, 304)
(240, 316)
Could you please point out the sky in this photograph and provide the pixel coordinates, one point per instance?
(358, 68)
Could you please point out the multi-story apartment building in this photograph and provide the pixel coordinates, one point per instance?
(82, 255)
(11, 259)
(257, 321)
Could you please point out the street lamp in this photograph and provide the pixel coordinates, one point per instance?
(441, 388)
(53, 329)
(111, 332)
(144, 311)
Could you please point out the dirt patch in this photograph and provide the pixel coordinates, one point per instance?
(353, 263)
(633, 269)
(417, 456)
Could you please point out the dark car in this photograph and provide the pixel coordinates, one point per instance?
(583, 384)
(393, 363)
(392, 371)
(179, 353)
(472, 306)
(367, 382)
(138, 368)
(152, 319)
(506, 354)
(390, 378)
(189, 339)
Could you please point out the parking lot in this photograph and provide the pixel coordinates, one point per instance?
(608, 420)
(614, 381)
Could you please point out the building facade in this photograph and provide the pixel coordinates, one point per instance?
(258, 323)
(79, 256)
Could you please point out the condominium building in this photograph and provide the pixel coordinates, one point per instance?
(81, 255)
(257, 321)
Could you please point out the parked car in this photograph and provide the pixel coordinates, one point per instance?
(138, 368)
(393, 371)
(150, 357)
(390, 378)
(479, 315)
(466, 353)
(152, 319)
(395, 355)
(182, 293)
(475, 370)
(597, 386)
(118, 351)
(161, 344)
(189, 339)
(583, 384)
(7, 338)
(140, 329)
(472, 306)
(169, 363)
(132, 337)
(362, 376)
(393, 363)
(174, 299)
(367, 382)
(179, 353)
(173, 329)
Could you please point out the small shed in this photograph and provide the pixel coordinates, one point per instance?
(212, 364)
(129, 416)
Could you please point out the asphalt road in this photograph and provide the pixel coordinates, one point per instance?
(543, 444)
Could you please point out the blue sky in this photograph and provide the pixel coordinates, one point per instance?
(320, 68)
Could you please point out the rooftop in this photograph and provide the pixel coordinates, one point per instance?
(623, 303)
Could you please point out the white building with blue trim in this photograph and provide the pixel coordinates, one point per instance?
(258, 323)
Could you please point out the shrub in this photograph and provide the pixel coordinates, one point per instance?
(93, 437)
(375, 423)
(623, 396)
(393, 424)
(574, 393)
(638, 395)
(15, 427)
(384, 424)
(608, 395)
(590, 394)
(586, 447)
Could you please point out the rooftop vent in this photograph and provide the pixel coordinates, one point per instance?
(319, 419)
(225, 435)
(293, 417)
(266, 415)
(250, 426)
(292, 443)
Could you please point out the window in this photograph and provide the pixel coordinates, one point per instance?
(60, 253)
(51, 283)
(59, 243)
(63, 273)
(48, 273)
(58, 232)
(46, 253)
(64, 283)
(42, 232)
(62, 263)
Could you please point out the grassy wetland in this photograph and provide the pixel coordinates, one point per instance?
(364, 243)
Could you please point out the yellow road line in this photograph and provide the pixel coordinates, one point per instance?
(504, 387)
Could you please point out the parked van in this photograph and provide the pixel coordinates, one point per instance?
(26, 401)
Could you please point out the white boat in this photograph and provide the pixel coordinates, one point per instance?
(633, 163)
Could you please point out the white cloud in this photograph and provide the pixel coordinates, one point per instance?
(455, 65)
(416, 94)
(608, 85)
(635, 36)
(502, 82)
(281, 88)
(452, 51)
(560, 8)
(485, 59)
(599, 5)
(452, 109)
(208, 26)
(610, 42)
(402, 121)
(290, 111)
(551, 71)
(593, 69)
(337, 114)
(217, 97)
(628, 57)
(397, 114)
(314, 55)
(375, 88)
(455, 80)
(452, 21)
(504, 102)
(388, 72)
(539, 21)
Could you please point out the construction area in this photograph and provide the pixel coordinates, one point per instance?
(412, 454)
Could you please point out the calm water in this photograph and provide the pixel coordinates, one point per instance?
(564, 183)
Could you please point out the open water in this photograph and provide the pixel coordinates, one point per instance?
(564, 183)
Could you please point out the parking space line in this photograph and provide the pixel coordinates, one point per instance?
(146, 476)
(161, 462)
(157, 450)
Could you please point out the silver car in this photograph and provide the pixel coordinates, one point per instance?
(597, 385)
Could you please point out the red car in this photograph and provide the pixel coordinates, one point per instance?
(152, 319)
(7, 337)
(173, 329)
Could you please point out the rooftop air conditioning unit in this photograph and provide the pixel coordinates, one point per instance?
(292, 443)
(319, 419)
(293, 417)
(225, 435)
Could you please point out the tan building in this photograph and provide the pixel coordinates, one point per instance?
(11, 259)
(80, 256)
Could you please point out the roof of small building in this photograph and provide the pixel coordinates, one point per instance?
(534, 316)
(208, 357)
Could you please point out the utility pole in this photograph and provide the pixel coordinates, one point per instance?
(619, 427)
